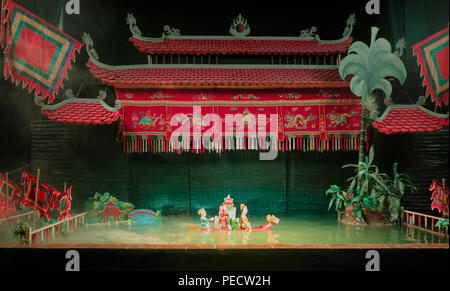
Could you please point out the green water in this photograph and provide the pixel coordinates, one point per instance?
(291, 230)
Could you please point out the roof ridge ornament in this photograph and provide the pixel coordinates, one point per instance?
(131, 21)
(117, 105)
(38, 101)
(116, 108)
(90, 46)
(310, 33)
(170, 31)
(240, 27)
(351, 21)
(421, 101)
(102, 94)
(400, 47)
(69, 93)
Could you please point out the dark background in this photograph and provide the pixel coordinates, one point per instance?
(88, 157)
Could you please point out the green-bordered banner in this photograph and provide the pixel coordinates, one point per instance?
(38, 54)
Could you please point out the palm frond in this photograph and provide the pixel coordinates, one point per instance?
(388, 65)
(371, 65)
(383, 85)
(353, 65)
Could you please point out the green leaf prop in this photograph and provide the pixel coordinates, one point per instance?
(372, 190)
(371, 65)
(442, 223)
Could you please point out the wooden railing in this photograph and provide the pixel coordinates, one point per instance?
(72, 223)
(424, 222)
(17, 218)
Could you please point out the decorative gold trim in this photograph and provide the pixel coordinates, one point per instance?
(335, 84)
(296, 133)
(126, 133)
(315, 133)
(240, 103)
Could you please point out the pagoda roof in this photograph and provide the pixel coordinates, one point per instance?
(410, 119)
(81, 111)
(217, 76)
(228, 201)
(172, 42)
(181, 45)
(111, 209)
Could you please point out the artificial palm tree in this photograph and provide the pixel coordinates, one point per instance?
(370, 66)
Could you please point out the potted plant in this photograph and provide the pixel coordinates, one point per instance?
(338, 198)
(391, 191)
(372, 197)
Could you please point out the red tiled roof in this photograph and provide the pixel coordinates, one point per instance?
(247, 46)
(154, 76)
(81, 111)
(410, 119)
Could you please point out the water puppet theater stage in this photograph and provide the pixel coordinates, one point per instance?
(238, 149)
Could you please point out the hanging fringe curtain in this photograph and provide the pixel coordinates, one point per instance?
(305, 143)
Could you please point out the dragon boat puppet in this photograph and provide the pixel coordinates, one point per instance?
(226, 220)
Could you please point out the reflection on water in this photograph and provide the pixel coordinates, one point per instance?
(291, 230)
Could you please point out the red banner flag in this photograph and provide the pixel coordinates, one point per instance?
(64, 203)
(9, 195)
(46, 196)
(439, 197)
(432, 56)
(38, 54)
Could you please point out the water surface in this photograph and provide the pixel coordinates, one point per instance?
(291, 230)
